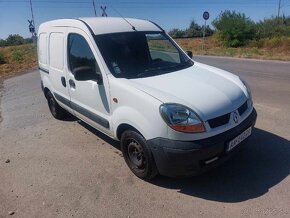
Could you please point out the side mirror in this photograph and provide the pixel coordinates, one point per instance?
(189, 53)
(87, 73)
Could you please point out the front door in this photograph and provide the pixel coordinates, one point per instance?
(89, 100)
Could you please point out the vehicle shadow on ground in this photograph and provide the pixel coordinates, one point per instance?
(70, 118)
(101, 135)
(263, 163)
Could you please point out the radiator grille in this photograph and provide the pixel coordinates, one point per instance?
(224, 119)
(219, 121)
(243, 108)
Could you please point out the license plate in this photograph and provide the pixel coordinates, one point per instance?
(236, 141)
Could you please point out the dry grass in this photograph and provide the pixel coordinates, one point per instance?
(16, 59)
(270, 49)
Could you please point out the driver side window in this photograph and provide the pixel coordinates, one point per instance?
(79, 54)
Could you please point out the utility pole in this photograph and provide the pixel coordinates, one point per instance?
(94, 7)
(279, 7)
(32, 24)
(32, 13)
(205, 17)
(203, 35)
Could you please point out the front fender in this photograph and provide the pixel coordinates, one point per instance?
(150, 126)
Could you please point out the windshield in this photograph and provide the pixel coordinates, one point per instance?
(141, 54)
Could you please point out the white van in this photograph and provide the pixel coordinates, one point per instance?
(131, 81)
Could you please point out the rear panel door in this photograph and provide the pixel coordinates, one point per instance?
(57, 69)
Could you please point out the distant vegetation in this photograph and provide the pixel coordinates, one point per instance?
(2, 59)
(18, 58)
(193, 31)
(234, 29)
(14, 39)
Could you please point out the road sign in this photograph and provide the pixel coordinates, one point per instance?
(104, 13)
(205, 15)
(31, 26)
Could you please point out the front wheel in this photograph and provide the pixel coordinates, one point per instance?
(138, 155)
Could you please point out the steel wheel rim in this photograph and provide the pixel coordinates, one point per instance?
(52, 106)
(136, 154)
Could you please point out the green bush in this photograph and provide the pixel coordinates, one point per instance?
(18, 55)
(194, 30)
(2, 58)
(234, 29)
(14, 39)
(2, 42)
(273, 27)
(176, 33)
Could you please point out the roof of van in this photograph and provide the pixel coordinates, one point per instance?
(103, 25)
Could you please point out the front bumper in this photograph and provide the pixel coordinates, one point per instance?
(186, 158)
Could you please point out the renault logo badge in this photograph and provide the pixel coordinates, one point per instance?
(236, 117)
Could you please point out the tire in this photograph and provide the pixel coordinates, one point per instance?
(57, 111)
(138, 155)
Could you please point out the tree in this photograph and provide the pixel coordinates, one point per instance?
(2, 42)
(208, 31)
(14, 39)
(273, 27)
(28, 40)
(194, 30)
(234, 29)
(176, 33)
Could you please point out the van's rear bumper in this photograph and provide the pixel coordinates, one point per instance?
(183, 158)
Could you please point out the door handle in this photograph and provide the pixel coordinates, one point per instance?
(72, 84)
(63, 82)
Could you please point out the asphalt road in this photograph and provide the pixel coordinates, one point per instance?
(66, 169)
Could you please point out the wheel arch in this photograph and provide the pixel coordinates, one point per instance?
(123, 127)
(147, 122)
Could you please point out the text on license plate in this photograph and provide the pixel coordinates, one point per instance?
(233, 143)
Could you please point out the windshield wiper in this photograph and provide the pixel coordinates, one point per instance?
(162, 70)
(148, 73)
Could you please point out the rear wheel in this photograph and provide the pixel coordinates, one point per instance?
(138, 155)
(57, 111)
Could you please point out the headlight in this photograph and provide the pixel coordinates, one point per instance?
(181, 118)
(247, 87)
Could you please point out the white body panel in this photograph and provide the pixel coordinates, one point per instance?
(209, 91)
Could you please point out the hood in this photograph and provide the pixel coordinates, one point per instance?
(209, 91)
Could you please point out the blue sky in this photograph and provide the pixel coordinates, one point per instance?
(167, 13)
